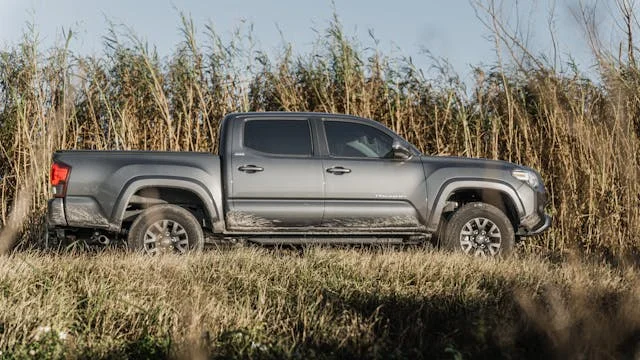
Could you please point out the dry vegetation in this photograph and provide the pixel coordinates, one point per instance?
(325, 303)
(582, 134)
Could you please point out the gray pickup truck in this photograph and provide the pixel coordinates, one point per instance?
(295, 178)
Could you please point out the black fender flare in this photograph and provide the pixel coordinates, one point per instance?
(191, 185)
(454, 185)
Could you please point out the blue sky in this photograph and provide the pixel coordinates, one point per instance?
(448, 29)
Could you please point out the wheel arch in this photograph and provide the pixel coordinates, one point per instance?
(197, 189)
(494, 192)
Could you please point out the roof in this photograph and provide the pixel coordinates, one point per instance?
(291, 113)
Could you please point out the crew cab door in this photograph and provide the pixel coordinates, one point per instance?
(276, 181)
(365, 187)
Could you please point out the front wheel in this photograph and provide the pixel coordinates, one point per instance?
(166, 229)
(480, 230)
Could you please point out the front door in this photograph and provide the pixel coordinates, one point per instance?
(276, 182)
(365, 188)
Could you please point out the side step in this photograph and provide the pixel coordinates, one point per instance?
(353, 240)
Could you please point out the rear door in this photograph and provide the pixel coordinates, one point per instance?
(365, 188)
(276, 180)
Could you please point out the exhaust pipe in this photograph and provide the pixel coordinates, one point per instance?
(104, 240)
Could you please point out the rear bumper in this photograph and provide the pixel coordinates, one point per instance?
(55, 213)
(76, 211)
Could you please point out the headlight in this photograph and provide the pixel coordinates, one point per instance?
(527, 176)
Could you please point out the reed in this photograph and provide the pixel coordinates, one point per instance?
(582, 134)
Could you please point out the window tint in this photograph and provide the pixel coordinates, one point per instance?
(284, 137)
(347, 139)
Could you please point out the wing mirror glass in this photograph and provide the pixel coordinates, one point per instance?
(400, 151)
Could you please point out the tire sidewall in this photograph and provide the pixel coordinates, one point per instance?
(166, 212)
(474, 210)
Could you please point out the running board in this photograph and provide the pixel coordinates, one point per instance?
(352, 240)
(311, 233)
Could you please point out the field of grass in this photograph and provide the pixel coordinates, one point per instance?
(582, 133)
(314, 303)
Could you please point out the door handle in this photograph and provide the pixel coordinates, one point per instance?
(338, 170)
(250, 169)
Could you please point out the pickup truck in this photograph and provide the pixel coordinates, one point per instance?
(294, 178)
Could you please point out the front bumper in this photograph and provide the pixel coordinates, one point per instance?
(538, 220)
(543, 225)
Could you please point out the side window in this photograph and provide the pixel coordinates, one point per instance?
(347, 139)
(282, 137)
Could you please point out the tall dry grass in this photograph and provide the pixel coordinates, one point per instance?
(329, 303)
(582, 134)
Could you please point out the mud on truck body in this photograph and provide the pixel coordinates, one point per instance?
(295, 178)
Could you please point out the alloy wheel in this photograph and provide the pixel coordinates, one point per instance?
(481, 237)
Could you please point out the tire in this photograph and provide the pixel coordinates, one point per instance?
(481, 230)
(165, 229)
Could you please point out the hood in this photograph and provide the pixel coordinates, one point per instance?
(465, 162)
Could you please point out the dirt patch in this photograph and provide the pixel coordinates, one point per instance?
(379, 222)
(79, 216)
(241, 219)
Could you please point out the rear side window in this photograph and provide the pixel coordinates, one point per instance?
(281, 137)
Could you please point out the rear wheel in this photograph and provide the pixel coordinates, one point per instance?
(166, 229)
(480, 230)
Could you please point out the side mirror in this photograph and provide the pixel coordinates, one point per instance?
(400, 151)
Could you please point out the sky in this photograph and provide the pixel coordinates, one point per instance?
(446, 29)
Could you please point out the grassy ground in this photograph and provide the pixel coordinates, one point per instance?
(582, 133)
(316, 303)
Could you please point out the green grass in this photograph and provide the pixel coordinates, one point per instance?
(318, 303)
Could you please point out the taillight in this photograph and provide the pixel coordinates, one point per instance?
(58, 177)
